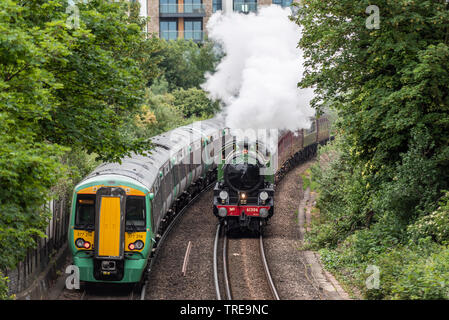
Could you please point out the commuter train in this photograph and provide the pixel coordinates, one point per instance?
(244, 191)
(120, 211)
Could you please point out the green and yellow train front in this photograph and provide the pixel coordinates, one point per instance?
(110, 229)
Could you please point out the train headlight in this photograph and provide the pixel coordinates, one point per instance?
(79, 243)
(86, 245)
(222, 212)
(138, 244)
(263, 213)
(263, 195)
(223, 195)
(131, 246)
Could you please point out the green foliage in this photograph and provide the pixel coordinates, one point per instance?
(4, 288)
(434, 225)
(395, 78)
(194, 102)
(389, 87)
(66, 95)
(185, 63)
(159, 114)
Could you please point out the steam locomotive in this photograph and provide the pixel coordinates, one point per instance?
(247, 175)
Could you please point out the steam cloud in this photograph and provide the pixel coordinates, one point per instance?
(257, 79)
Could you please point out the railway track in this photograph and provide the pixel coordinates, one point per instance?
(244, 270)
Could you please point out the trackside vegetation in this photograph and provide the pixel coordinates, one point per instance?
(71, 97)
(384, 198)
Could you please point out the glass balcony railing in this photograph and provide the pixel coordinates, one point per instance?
(182, 8)
(245, 7)
(196, 36)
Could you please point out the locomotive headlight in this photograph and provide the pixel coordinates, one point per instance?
(263, 213)
(222, 212)
(138, 244)
(79, 243)
(263, 195)
(223, 195)
(243, 195)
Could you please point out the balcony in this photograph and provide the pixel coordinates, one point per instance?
(186, 10)
(196, 36)
(245, 7)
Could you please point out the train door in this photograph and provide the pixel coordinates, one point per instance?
(167, 186)
(181, 170)
(157, 204)
(198, 159)
(192, 164)
(216, 149)
(175, 177)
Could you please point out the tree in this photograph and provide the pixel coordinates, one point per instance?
(184, 63)
(388, 84)
(62, 89)
(194, 102)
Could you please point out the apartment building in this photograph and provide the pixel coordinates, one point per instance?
(175, 19)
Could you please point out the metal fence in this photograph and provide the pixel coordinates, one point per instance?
(39, 258)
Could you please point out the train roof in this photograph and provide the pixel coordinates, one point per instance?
(145, 169)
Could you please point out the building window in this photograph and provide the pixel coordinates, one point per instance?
(216, 5)
(245, 6)
(168, 6)
(193, 30)
(193, 6)
(168, 29)
(283, 3)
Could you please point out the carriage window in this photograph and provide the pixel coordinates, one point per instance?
(85, 211)
(135, 214)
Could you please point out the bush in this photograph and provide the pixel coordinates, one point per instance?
(194, 102)
(388, 228)
(434, 225)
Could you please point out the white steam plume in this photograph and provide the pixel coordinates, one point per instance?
(257, 79)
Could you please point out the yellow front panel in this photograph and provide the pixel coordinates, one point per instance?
(109, 237)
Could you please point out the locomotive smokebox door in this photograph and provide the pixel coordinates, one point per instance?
(109, 242)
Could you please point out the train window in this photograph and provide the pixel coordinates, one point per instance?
(312, 128)
(85, 211)
(135, 214)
